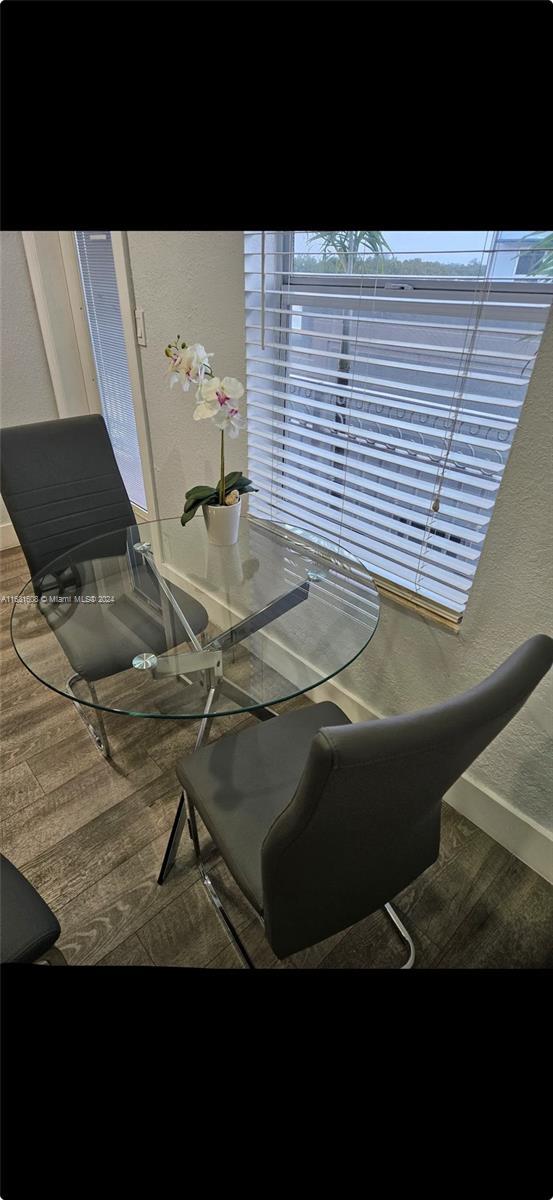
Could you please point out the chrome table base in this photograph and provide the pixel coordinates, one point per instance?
(100, 738)
(205, 659)
(215, 686)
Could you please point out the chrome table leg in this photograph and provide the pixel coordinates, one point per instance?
(100, 740)
(243, 698)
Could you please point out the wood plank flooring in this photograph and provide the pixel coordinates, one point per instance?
(91, 839)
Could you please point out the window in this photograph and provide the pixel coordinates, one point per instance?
(386, 376)
(99, 282)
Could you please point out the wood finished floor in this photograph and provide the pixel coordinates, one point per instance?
(91, 839)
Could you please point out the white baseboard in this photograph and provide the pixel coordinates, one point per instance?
(520, 834)
(8, 536)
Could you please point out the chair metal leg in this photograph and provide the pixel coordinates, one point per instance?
(52, 958)
(406, 937)
(193, 827)
(174, 840)
(180, 815)
(169, 858)
(100, 740)
(212, 891)
(224, 918)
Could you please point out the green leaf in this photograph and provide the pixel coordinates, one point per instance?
(235, 479)
(198, 495)
(192, 505)
(187, 516)
(231, 480)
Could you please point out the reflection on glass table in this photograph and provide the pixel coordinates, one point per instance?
(153, 621)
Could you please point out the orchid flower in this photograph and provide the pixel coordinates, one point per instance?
(228, 420)
(198, 362)
(189, 365)
(216, 395)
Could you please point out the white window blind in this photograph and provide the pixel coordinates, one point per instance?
(103, 311)
(384, 391)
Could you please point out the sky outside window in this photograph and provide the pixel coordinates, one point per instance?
(413, 250)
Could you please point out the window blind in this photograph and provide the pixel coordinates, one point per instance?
(382, 405)
(95, 254)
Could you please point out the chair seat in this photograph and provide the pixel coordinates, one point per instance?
(252, 776)
(102, 639)
(29, 927)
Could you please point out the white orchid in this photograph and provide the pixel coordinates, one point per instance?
(198, 362)
(214, 396)
(189, 365)
(176, 377)
(228, 420)
(216, 400)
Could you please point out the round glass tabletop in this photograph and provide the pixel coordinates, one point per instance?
(154, 621)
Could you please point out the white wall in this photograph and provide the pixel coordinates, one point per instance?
(26, 392)
(190, 283)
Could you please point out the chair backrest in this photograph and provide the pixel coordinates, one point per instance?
(61, 486)
(365, 818)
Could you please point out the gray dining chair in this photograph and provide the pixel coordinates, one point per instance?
(62, 486)
(321, 822)
(28, 927)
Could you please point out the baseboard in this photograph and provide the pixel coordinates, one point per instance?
(527, 840)
(8, 536)
(523, 837)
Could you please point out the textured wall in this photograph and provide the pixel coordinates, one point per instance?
(26, 388)
(190, 283)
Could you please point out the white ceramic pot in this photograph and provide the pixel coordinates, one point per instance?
(222, 523)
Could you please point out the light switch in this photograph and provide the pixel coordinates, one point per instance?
(140, 327)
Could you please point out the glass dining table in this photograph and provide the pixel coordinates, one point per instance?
(154, 621)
